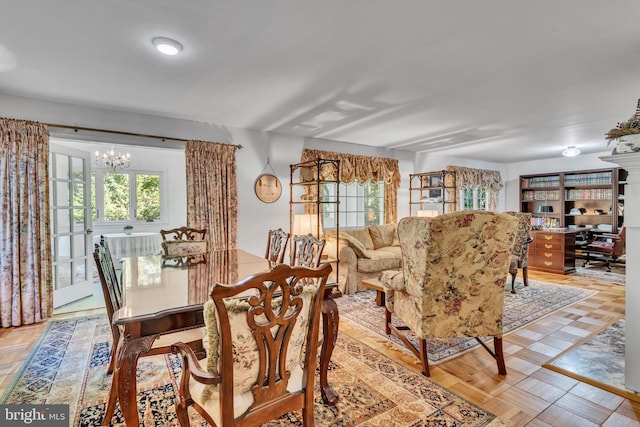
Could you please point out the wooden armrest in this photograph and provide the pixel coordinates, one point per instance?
(191, 365)
(606, 236)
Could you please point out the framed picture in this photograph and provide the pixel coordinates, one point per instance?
(435, 181)
(268, 188)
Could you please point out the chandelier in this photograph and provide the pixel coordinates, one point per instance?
(113, 161)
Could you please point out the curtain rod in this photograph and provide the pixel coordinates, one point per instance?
(117, 132)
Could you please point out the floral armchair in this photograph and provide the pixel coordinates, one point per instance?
(520, 254)
(452, 280)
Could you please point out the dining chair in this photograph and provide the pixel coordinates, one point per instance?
(276, 246)
(452, 280)
(260, 360)
(307, 251)
(520, 254)
(184, 241)
(609, 245)
(114, 300)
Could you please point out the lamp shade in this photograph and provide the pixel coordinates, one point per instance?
(304, 224)
(428, 213)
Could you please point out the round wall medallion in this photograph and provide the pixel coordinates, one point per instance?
(268, 188)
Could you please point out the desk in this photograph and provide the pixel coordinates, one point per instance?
(160, 300)
(135, 244)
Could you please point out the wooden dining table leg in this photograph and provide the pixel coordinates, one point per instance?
(330, 321)
(129, 350)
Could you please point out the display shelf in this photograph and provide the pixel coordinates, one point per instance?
(432, 191)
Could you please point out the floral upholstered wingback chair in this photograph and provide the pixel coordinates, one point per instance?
(520, 254)
(454, 269)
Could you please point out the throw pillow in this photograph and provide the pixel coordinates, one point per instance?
(382, 235)
(362, 234)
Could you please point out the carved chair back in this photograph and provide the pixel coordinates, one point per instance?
(276, 246)
(307, 251)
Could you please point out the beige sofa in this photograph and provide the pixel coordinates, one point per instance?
(364, 253)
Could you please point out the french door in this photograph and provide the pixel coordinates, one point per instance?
(71, 239)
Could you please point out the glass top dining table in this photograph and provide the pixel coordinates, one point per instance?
(165, 295)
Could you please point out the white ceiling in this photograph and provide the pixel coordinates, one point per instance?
(491, 80)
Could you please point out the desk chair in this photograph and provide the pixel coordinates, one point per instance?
(611, 246)
(260, 357)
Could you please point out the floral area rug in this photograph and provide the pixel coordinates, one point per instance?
(69, 365)
(616, 275)
(528, 304)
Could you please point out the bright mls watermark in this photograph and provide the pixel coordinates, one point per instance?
(34, 415)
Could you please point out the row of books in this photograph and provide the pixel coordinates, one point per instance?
(533, 195)
(541, 181)
(599, 178)
(589, 194)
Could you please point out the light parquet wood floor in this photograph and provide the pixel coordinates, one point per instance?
(529, 395)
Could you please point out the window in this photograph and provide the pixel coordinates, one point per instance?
(360, 205)
(474, 199)
(126, 196)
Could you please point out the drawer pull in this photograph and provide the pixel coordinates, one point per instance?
(548, 263)
(548, 254)
(548, 246)
(548, 237)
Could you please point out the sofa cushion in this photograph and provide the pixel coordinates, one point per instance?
(362, 235)
(394, 250)
(382, 235)
(377, 261)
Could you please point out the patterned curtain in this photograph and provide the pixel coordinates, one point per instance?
(26, 289)
(364, 169)
(479, 178)
(212, 192)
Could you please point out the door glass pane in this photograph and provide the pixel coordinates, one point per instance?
(62, 166)
(62, 193)
(79, 270)
(77, 168)
(116, 197)
(78, 194)
(94, 213)
(64, 275)
(79, 245)
(78, 220)
(62, 217)
(64, 248)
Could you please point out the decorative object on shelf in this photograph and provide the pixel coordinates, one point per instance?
(571, 151)
(268, 187)
(432, 192)
(128, 229)
(112, 160)
(545, 208)
(626, 135)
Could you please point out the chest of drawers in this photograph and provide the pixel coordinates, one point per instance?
(553, 251)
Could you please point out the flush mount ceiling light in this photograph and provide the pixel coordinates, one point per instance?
(571, 151)
(167, 46)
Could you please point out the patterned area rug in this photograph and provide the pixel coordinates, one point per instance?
(528, 304)
(598, 361)
(616, 275)
(69, 366)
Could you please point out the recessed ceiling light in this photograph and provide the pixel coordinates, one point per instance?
(167, 46)
(571, 151)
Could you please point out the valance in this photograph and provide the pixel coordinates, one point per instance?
(354, 167)
(479, 178)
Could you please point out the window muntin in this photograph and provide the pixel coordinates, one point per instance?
(360, 205)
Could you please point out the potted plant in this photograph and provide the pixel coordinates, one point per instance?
(128, 228)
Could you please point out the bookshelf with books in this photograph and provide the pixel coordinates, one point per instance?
(592, 199)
